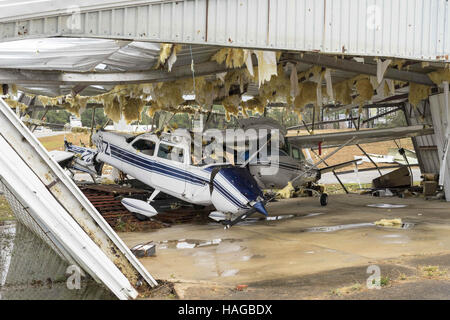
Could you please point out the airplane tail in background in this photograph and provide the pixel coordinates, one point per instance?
(85, 159)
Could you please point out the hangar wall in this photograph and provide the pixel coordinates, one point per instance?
(417, 29)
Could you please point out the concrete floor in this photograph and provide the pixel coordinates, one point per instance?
(286, 259)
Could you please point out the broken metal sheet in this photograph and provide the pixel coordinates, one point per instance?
(329, 140)
(63, 211)
(441, 121)
(69, 54)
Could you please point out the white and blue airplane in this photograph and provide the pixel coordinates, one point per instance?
(164, 162)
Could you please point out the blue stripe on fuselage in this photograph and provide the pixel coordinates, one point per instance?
(169, 171)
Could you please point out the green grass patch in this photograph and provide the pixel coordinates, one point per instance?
(5, 211)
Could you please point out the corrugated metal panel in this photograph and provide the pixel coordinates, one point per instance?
(413, 29)
(441, 120)
(425, 146)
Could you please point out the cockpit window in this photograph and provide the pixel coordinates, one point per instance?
(281, 153)
(170, 152)
(147, 147)
(297, 153)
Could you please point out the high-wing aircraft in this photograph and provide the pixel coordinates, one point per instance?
(164, 162)
(301, 172)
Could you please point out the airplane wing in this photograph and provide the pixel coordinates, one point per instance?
(330, 140)
(338, 166)
(61, 157)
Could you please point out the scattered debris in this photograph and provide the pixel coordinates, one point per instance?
(397, 178)
(241, 287)
(433, 272)
(144, 250)
(389, 222)
(386, 205)
(106, 199)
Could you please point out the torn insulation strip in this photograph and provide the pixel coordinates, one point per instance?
(438, 77)
(267, 65)
(418, 92)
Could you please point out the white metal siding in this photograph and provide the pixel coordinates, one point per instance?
(414, 29)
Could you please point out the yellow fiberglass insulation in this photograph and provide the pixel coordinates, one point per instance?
(307, 94)
(231, 105)
(389, 222)
(16, 104)
(205, 95)
(132, 109)
(50, 101)
(112, 108)
(165, 51)
(343, 92)
(168, 94)
(286, 192)
(418, 92)
(365, 91)
(77, 104)
(239, 77)
(397, 63)
(233, 58)
(277, 89)
(254, 105)
(440, 76)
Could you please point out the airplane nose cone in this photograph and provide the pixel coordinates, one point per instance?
(259, 206)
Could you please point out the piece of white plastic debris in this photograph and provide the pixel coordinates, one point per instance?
(267, 65)
(248, 61)
(381, 68)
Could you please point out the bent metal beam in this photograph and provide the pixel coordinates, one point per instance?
(26, 77)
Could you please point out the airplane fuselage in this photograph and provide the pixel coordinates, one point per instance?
(166, 166)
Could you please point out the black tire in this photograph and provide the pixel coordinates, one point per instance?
(323, 199)
(140, 217)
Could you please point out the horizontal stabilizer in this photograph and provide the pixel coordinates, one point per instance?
(338, 166)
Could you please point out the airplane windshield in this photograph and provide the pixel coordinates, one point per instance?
(297, 154)
(147, 147)
(170, 152)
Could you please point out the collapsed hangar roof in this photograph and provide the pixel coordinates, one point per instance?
(92, 46)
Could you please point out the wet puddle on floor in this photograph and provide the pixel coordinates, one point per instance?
(274, 218)
(386, 205)
(250, 221)
(406, 225)
(192, 243)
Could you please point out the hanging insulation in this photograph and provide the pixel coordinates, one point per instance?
(233, 58)
(277, 89)
(440, 76)
(267, 65)
(364, 90)
(112, 108)
(231, 106)
(16, 104)
(307, 95)
(164, 52)
(255, 105)
(132, 109)
(418, 92)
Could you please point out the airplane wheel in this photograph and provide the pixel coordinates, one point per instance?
(323, 199)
